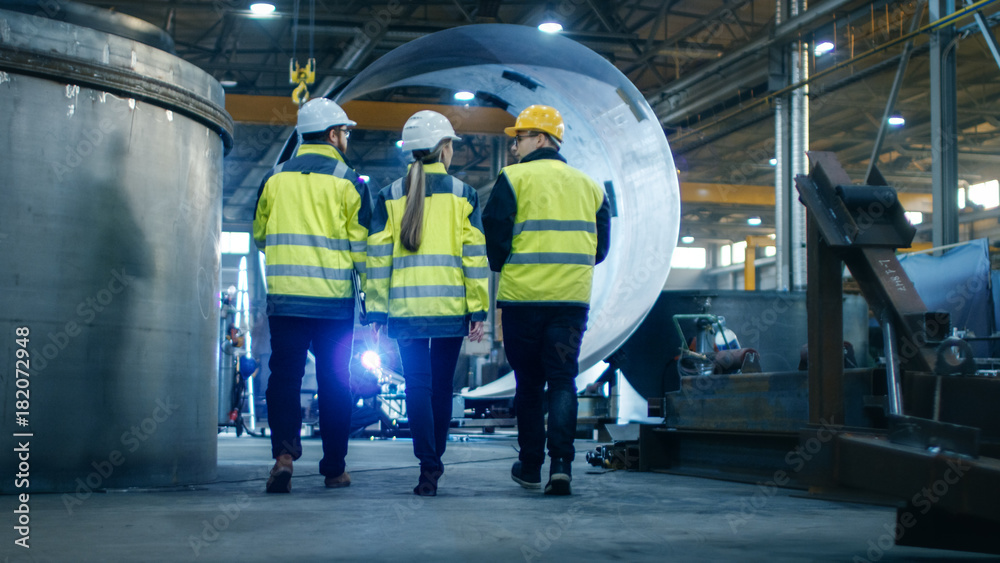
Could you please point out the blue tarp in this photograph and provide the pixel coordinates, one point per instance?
(957, 282)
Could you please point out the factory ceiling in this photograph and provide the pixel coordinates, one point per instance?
(711, 69)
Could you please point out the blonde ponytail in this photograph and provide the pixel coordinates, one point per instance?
(412, 228)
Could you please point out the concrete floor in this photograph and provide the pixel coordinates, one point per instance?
(479, 515)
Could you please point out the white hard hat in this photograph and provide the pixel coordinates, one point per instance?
(425, 129)
(319, 114)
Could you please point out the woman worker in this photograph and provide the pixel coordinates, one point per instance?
(427, 280)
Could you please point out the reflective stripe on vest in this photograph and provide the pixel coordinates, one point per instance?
(432, 284)
(554, 234)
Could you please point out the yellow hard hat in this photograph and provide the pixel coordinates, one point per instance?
(538, 118)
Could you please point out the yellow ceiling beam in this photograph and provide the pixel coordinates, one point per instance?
(730, 194)
(261, 110)
(377, 116)
(390, 116)
(745, 194)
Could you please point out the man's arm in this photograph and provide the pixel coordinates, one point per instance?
(359, 219)
(474, 266)
(603, 231)
(261, 215)
(379, 267)
(498, 222)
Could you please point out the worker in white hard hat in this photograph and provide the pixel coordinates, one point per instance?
(427, 281)
(311, 223)
(547, 224)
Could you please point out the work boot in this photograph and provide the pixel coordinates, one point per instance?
(427, 483)
(280, 480)
(528, 476)
(559, 477)
(342, 480)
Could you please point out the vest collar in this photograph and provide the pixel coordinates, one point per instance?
(542, 154)
(324, 149)
(433, 168)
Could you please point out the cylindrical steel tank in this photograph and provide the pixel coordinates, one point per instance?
(611, 134)
(110, 181)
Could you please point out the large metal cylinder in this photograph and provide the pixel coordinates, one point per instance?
(611, 134)
(110, 178)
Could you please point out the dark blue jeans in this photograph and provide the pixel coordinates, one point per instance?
(331, 341)
(429, 370)
(543, 347)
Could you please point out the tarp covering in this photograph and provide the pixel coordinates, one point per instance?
(957, 282)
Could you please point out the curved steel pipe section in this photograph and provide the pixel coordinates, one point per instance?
(611, 133)
(111, 183)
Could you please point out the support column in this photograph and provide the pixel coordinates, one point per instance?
(784, 194)
(799, 128)
(784, 197)
(944, 128)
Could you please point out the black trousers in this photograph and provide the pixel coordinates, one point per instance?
(331, 341)
(543, 347)
(429, 370)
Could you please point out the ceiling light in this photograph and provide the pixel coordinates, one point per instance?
(464, 96)
(262, 8)
(364, 178)
(753, 221)
(773, 162)
(687, 239)
(823, 48)
(897, 121)
(399, 143)
(550, 27)
(228, 82)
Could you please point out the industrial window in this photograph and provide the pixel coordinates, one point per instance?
(986, 194)
(739, 252)
(234, 243)
(243, 300)
(689, 257)
(725, 255)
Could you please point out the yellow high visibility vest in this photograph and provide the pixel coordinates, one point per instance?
(554, 240)
(436, 290)
(311, 223)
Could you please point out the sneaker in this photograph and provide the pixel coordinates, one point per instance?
(559, 478)
(342, 480)
(529, 477)
(280, 480)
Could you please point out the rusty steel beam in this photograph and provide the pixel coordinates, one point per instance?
(957, 484)
(764, 402)
(825, 332)
(865, 237)
(377, 116)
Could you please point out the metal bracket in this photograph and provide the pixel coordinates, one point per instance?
(926, 434)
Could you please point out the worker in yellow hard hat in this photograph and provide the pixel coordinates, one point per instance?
(533, 122)
(547, 224)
